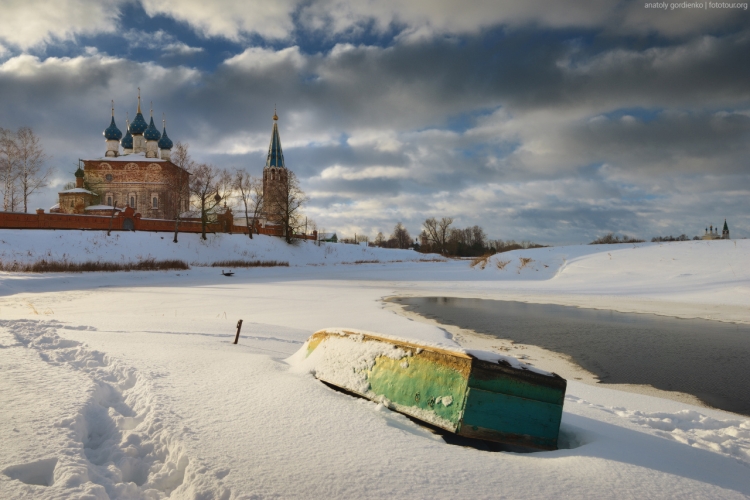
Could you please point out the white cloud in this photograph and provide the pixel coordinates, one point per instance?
(373, 172)
(181, 49)
(30, 23)
(258, 59)
(382, 140)
(159, 40)
(229, 18)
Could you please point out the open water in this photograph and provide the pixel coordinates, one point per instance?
(708, 359)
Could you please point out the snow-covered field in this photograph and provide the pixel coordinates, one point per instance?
(127, 385)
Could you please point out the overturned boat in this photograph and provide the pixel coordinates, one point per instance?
(475, 394)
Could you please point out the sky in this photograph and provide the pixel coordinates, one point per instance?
(554, 122)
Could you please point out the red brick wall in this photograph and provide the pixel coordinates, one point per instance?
(14, 220)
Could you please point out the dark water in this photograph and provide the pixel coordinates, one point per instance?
(707, 359)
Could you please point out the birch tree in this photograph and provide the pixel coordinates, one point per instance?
(208, 186)
(8, 168)
(32, 175)
(179, 184)
(250, 191)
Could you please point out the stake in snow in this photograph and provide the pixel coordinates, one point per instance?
(478, 395)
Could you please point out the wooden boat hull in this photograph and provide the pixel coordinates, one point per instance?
(453, 390)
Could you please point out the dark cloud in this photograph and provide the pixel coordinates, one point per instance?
(550, 134)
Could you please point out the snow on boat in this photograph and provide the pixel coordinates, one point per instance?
(475, 394)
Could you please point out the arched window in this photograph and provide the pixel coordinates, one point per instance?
(109, 201)
(132, 201)
(155, 202)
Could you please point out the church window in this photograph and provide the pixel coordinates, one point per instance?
(155, 202)
(109, 177)
(71, 203)
(109, 201)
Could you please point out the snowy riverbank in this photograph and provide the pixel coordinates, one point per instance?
(126, 385)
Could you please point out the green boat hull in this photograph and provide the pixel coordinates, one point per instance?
(452, 390)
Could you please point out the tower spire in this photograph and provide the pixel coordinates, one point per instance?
(113, 108)
(275, 155)
(139, 99)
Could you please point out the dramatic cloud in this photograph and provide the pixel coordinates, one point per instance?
(554, 124)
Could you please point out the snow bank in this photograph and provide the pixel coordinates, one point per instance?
(29, 246)
(682, 261)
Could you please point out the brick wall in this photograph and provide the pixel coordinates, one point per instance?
(124, 221)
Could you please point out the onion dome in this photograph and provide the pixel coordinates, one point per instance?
(127, 141)
(165, 142)
(112, 133)
(139, 124)
(151, 133)
(79, 172)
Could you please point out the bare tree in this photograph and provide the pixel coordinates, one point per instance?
(361, 238)
(179, 184)
(401, 236)
(8, 168)
(379, 240)
(208, 186)
(112, 217)
(437, 232)
(251, 195)
(285, 204)
(31, 157)
(478, 237)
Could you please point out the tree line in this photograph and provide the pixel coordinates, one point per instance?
(439, 236)
(22, 167)
(612, 238)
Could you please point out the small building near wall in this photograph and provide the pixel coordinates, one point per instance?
(75, 200)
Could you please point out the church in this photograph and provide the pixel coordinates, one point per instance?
(136, 175)
(713, 233)
(135, 172)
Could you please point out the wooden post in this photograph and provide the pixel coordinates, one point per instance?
(239, 326)
(114, 210)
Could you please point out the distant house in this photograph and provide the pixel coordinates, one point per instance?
(713, 233)
(328, 237)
